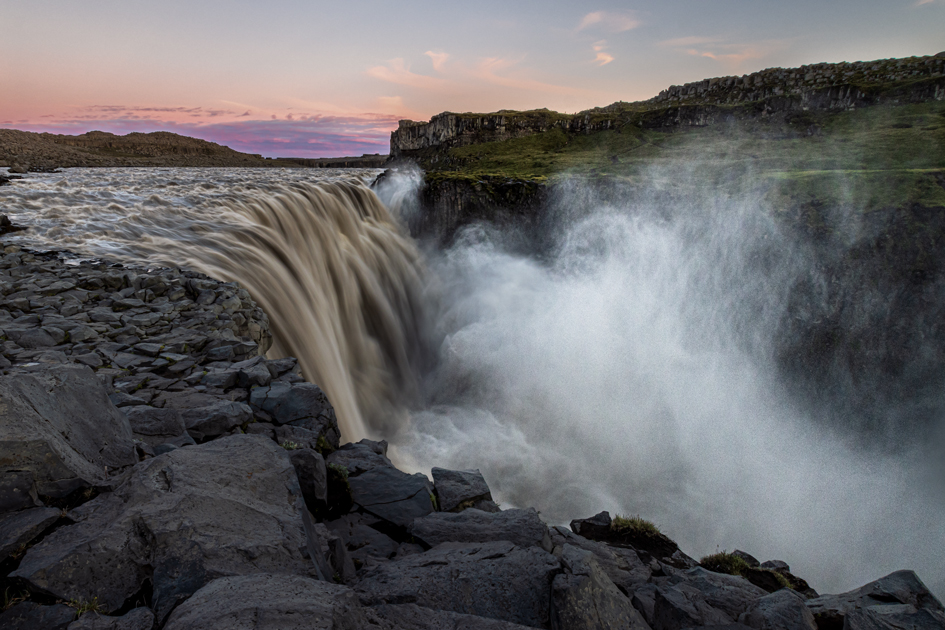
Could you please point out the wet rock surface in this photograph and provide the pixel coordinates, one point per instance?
(158, 471)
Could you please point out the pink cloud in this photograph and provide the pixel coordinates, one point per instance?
(610, 22)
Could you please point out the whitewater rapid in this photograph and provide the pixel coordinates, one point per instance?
(604, 376)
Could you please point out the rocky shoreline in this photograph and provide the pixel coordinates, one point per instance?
(159, 472)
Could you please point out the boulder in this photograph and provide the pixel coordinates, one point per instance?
(216, 418)
(596, 527)
(520, 527)
(682, 606)
(229, 507)
(728, 593)
(459, 489)
(153, 425)
(496, 580)
(901, 590)
(358, 458)
(32, 616)
(59, 432)
(393, 495)
(269, 602)
(584, 598)
(138, 619)
(362, 540)
(782, 610)
(301, 404)
(19, 528)
(623, 566)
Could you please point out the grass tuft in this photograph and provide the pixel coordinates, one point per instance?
(634, 525)
(724, 562)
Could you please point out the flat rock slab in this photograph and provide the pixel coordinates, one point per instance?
(458, 489)
(496, 580)
(623, 566)
(393, 495)
(229, 507)
(520, 527)
(58, 426)
(19, 528)
(269, 602)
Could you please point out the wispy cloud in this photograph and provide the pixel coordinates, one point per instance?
(439, 59)
(924, 2)
(609, 21)
(602, 58)
(730, 54)
(397, 71)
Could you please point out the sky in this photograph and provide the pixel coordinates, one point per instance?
(323, 79)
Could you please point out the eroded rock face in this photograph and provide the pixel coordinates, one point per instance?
(496, 580)
(137, 619)
(393, 495)
(459, 489)
(59, 430)
(785, 609)
(229, 507)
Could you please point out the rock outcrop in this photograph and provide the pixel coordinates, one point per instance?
(775, 90)
(170, 495)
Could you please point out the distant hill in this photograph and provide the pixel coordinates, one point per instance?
(46, 151)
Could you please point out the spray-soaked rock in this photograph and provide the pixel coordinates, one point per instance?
(785, 609)
(413, 617)
(393, 495)
(58, 428)
(229, 507)
(459, 489)
(520, 527)
(313, 477)
(583, 597)
(358, 458)
(900, 596)
(300, 404)
(496, 580)
(623, 566)
(728, 593)
(682, 606)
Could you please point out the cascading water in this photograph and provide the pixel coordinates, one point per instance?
(627, 370)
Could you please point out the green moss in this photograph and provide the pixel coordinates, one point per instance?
(290, 445)
(82, 606)
(341, 470)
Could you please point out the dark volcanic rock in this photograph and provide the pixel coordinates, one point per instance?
(358, 458)
(683, 606)
(313, 477)
(58, 428)
(900, 595)
(413, 617)
(596, 527)
(728, 593)
(32, 616)
(137, 619)
(496, 580)
(269, 602)
(155, 426)
(785, 609)
(520, 527)
(623, 566)
(19, 528)
(229, 507)
(459, 489)
(393, 495)
(583, 597)
(301, 404)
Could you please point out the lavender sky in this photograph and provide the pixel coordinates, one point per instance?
(312, 78)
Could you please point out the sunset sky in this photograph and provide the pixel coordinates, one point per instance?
(311, 78)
